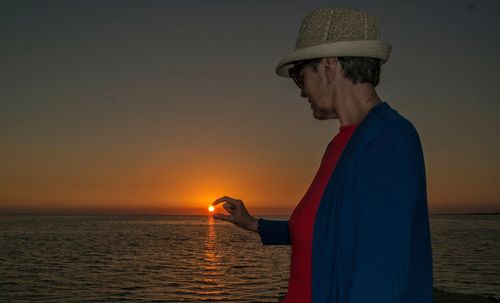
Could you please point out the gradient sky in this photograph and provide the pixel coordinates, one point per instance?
(171, 104)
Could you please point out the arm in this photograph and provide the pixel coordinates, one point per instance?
(387, 188)
(274, 232)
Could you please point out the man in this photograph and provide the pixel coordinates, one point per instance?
(361, 232)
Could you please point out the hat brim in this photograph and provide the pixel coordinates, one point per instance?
(365, 48)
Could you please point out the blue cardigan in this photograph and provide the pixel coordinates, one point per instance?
(371, 240)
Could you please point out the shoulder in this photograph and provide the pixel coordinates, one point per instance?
(392, 140)
(390, 127)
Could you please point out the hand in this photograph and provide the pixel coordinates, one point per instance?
(238, 213)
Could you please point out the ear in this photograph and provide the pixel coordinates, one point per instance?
(330, 68)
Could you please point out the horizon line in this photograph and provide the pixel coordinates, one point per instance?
(274, 211)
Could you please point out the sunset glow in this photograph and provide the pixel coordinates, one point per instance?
(165, 128)
(211, 208)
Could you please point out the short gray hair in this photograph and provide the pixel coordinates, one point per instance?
(362, 69)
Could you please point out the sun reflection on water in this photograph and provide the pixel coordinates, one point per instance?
(211, 276)
(210, 255)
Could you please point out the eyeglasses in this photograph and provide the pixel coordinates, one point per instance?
(294, 71)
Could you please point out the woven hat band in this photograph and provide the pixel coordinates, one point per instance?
(369, 48)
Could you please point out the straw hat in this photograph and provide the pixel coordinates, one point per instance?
(336, 32)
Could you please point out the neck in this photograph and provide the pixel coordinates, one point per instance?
(355, 103)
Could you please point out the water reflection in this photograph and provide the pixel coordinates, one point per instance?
(211, 271)
(210, 256)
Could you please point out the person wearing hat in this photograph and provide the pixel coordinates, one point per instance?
(361, 232)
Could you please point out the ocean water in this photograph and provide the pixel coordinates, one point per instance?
(466, 253)
(196, 259)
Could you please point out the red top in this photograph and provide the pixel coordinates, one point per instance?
(301, 222)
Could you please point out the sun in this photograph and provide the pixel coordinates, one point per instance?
(211, 208)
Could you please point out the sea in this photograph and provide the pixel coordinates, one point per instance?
(197, 259)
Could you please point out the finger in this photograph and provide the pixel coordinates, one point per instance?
(223, 217)
(224, 199)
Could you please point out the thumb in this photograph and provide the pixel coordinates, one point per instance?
(223, 217)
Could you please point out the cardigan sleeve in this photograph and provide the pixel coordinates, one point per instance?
(274, 232)
(388, 182)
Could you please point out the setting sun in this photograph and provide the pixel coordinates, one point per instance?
(211, 208)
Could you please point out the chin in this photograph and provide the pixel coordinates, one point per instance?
(318, 116)
(323, 115)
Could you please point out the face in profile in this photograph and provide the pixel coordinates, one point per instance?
(314, 87)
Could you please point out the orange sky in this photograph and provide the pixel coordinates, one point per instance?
(139, 108)
(272, 178)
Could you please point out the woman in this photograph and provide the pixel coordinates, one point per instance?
(361, 231)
